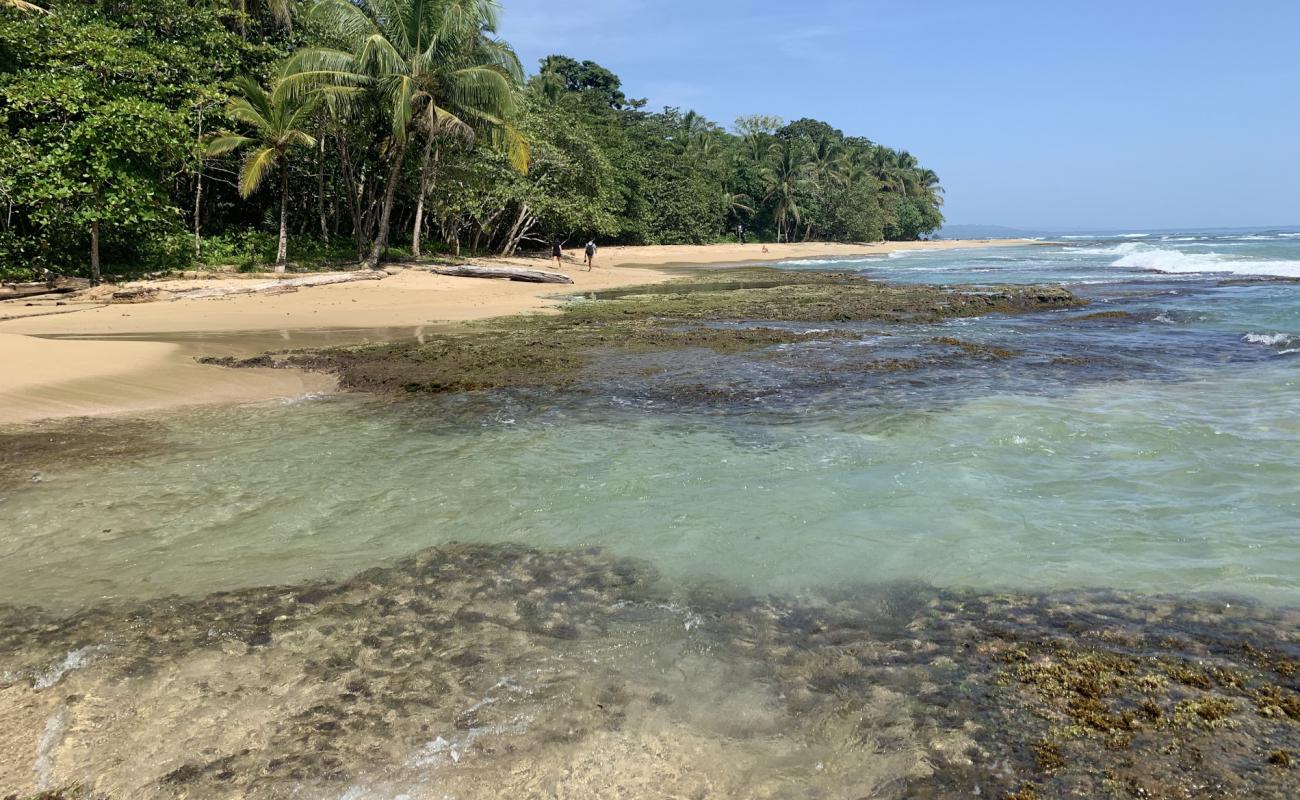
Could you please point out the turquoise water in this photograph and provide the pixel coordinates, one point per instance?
(1157, 451)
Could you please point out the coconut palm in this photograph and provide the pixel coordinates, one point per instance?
(786, 175)
(824, 162)
(434, 63)
(927, 184)
(734, 204)
(23, 5)
(278, 121)
(280, 11)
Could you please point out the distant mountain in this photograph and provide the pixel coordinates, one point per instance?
(985, 232)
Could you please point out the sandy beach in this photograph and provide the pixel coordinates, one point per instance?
(90, 358)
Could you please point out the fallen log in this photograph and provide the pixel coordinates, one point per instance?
(278, 286)
(20, 292)
(503, 273)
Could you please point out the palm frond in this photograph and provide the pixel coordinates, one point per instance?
(242, 109)
(256, 167)
(346, 19)
(223, 144)
(23, 5)
(400, 90)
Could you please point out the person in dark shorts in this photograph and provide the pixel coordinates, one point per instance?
(591, 254)
(557, 252)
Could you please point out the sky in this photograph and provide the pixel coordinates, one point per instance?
(1041, 114)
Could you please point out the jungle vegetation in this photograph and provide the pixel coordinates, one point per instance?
(150, 135)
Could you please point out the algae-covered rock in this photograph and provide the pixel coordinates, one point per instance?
(694, 313)
(502, 671)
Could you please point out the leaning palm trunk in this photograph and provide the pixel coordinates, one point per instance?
(380, 246)
(426, 185)
(320, 191)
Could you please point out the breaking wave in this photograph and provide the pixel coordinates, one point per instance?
(1286, 342)
(1176, 261)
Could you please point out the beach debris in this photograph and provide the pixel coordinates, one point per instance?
(279, 286)
(21, 291)
(136, 294)
(503, 273)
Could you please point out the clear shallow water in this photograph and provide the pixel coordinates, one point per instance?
(1155, 451)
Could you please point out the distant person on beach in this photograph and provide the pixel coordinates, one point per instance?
(557, 252)
(740, 233)
(591, 254)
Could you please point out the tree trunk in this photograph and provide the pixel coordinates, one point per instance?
(282, 251)
(94, 253)
(354, 194)
(381, 235)
(425, 161)
(198, 199)
(320, 192)
(523, 224)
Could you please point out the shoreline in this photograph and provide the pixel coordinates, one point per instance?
(118, 358)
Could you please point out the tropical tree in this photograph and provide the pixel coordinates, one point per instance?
(736, 204)
(927, 184)
(278, 121)
(428, 61)
(786, 176)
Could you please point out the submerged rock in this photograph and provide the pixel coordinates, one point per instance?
(555, 350)
(492, 671)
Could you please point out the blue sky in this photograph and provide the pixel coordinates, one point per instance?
(1035, 113)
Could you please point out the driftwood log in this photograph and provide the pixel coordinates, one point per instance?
(503, 273)
(18, 291)
(283, 285)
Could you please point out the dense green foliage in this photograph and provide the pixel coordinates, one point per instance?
(138, 132)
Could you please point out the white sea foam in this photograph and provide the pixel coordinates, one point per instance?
(1176, 262)
(75, 659)
(47, 744)
(1272, 339)
(816, 262)
(1114, 249)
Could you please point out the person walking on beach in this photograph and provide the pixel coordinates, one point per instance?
(591, 254)
(740, 233)
(557, 252)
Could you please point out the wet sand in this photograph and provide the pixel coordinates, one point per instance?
(148, 372)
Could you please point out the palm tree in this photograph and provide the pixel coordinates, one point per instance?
(428, 60)
(927, 184)
(23, 5)
(278, 119)
(825, 161)
(786, 175)
(281, 12)
(734, 204)
(449, 110)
